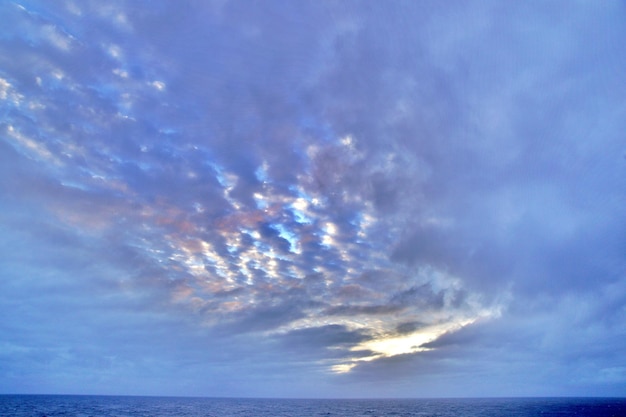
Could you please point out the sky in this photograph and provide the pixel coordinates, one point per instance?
(313, 198)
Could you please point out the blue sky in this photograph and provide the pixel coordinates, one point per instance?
(313, 199)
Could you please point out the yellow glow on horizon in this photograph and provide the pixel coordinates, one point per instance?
(343, 368)
(411, 343)
(398, 345)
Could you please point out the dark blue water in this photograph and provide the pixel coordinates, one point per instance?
(84, 406)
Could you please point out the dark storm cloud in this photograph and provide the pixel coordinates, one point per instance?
(238, 192)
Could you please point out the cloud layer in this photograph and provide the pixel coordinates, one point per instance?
(312, 199)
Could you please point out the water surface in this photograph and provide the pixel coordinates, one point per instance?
(113, 406)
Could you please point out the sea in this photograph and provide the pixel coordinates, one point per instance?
(122, 406)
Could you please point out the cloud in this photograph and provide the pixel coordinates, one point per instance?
(295, 189)
(322, 343)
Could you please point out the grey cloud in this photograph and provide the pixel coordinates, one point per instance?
(271, 312)
(273, 236)
(330, 341)
(356, 310)
(409, 327)
(421, 296)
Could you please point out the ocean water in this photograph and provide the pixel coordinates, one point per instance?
(111, 406)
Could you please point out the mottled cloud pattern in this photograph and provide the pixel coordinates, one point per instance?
(313, 198)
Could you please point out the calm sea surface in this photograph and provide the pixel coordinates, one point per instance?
(67, 405)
